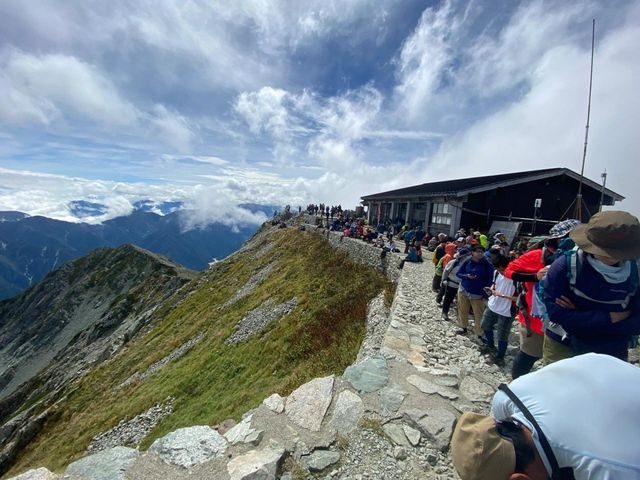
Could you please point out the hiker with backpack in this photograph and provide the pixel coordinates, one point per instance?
(450, 280)
(450, 250)
(527, 270)
(592, 291)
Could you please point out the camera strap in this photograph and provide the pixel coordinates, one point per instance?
(557, 473)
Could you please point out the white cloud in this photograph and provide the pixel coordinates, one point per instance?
(500, 62)
(172, 127)
(545, 128)
(50, 87)
(425, 57)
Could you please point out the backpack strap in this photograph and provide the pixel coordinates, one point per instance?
(573, 264)
(557, 473)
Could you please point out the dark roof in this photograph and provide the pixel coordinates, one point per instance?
(462, 186)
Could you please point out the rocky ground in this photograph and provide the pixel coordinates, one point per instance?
(388, 416)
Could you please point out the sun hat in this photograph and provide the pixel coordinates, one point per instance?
(614, 234)
(562, 228)
(533, 241)
(478, 450)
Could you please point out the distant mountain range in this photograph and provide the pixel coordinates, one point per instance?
(30, 247)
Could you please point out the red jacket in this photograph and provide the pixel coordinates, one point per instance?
(529, 262)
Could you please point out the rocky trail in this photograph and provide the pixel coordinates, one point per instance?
(390, 415)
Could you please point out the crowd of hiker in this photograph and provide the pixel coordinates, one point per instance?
(574, 293)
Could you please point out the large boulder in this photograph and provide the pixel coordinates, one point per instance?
(243, 433)
(308, 404)
(347, 413)
(436, 424)
(108, 464)
(37, 474)
(369, 375)
(190, 446)
(256, 464)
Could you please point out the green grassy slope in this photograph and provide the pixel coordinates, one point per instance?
(215, 381)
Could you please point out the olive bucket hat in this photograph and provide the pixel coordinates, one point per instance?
(613, 234)
(479, 452)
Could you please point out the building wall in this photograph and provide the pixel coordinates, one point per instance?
(557, 194)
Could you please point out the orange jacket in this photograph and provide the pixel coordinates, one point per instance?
(529, 262)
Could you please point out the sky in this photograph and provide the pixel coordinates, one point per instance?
(217, 103)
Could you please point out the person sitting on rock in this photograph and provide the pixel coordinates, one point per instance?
(408, 237)
(412, 256)
(575, 419)
(500, 312)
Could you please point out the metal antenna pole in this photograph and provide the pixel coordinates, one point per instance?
(604, 182)
(578, 210)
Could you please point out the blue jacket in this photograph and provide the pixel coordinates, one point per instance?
(589, 326)
(483, 270)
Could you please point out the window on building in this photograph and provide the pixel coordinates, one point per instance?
(441, 214)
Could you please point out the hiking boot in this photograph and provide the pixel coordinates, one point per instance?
(461, 331)
(499, 361)
(487, 349)
(445, 317)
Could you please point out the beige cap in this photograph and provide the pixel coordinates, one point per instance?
(479, 452)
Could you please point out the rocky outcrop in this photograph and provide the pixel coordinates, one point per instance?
(259, 318)
(131, 432)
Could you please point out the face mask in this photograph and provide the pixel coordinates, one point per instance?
(611, 273)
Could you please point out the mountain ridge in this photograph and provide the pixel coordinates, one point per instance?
(31, 246)
(322, 300)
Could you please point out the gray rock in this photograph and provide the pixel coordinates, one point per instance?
(391, 398)
(321, 459)
(37, 474)
(369, 375)
(422, 384)
(243, 433)
(256, 464)
(399, 453)
(475, 390)
(190, 446)
(412, 435)
(396, 434)
(308, 404)
(133, 431)
(447, 381)
(109, 464)
(428, 387)
(274, 403)
(435, 424)
(347, 413)
(257, 319)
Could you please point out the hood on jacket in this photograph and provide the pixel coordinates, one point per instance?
(450, 248)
